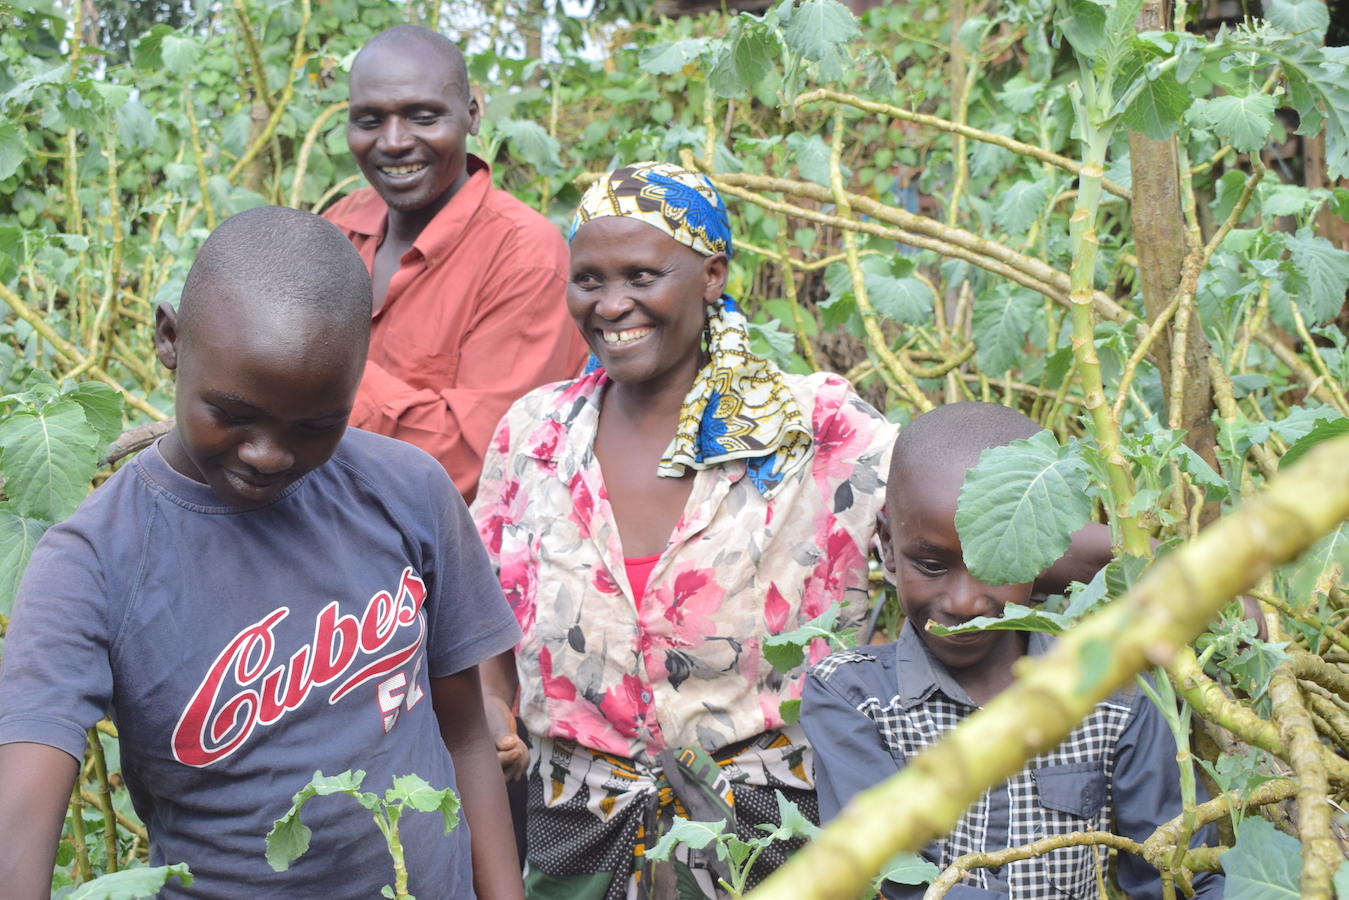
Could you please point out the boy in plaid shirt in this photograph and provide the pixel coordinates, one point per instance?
(869, 710)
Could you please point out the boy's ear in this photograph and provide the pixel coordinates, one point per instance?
(887, 547)
(167, 335)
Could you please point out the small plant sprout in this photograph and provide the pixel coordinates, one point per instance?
(289, 837)
(739, 855)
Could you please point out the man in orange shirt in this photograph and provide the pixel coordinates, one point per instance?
(470, 284)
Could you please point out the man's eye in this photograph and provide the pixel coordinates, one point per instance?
(366, 123)
(586, 282)
(424, 119)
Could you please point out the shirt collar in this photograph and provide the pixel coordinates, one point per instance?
(920, 674)
(443, 232)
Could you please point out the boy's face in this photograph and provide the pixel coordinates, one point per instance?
(263, 396)
(922, 551)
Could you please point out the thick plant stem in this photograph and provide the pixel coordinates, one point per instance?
(789, 291)
(875, 336)
(978, 250)
(259, 70)
(199, 156)
(1320, 851)
(298, 59)
(987, 137)
(1158, 847)
(310, 138)
(83, 870)
(1129, 532)
(963, 865)
(105, 800)
(1164, 611)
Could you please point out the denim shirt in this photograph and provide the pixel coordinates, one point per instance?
(868, 711)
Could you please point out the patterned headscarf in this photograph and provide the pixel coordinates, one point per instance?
(740, 406)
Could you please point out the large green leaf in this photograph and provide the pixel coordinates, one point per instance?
(671, 57)
(1245, 122)
(1265, 864)
(1083, 24)
(1020, 204)
(1002, 319)
(786, 651)
(894, 292)
(695, 834)
(18, 537)
(179, 52)
(743, 62)
(531, 143)
(1324, 270)
(12, 149)
(906, 867)
(1307, 18)
(812, 156)
(1020, 506)
(47, 457)
(1319, 90)
(411, 790)
(1015, 617)
(1321, 567)
(1323, 430)
(131, 884)
(289, 838)
(103, 408)
(818, 26)
(1150, 101)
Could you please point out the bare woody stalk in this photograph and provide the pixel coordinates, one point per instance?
(987, 137)
(1166, 610)
(310, 138)
(105, 800)
(963, 865)
(1129, 531)
(875, 336)
(1159, 846)
(1320, 851)
(298, 60)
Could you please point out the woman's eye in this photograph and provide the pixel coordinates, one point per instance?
(643, 278)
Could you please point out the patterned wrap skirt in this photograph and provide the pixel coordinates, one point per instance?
(592, 815)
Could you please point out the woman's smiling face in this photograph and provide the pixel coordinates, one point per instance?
(640, 298)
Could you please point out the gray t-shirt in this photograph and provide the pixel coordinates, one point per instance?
(238, 652)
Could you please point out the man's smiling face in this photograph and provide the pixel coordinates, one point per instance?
(410, 116)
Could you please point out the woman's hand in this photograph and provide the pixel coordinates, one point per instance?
(511, 750)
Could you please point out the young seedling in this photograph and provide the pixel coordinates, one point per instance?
(739, 855)
(289, 837)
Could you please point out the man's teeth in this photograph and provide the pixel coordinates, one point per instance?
(623, 337)
(402, 170)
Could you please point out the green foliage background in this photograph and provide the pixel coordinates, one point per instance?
(937, 204)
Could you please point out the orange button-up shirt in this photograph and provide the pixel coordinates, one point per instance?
(475, 317)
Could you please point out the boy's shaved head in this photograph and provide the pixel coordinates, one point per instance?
(296, 263)
(953, 436)
(403, 38)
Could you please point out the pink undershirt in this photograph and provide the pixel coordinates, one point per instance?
(639, 573)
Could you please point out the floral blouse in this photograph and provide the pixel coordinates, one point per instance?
(684, 666)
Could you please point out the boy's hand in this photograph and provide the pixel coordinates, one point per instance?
(511, 750)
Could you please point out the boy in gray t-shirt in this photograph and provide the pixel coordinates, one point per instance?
(262, 594)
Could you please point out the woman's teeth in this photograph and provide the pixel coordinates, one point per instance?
(397, 171)
(624, 337)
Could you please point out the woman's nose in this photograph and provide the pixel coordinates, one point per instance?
(613, 302)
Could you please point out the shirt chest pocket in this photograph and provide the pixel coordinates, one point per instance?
(1072, 797)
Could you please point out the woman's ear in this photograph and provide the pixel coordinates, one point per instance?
(168, 337)
(716, 269)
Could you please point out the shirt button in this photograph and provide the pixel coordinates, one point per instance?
(646, 696)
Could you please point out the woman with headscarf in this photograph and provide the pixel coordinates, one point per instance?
(652, 523)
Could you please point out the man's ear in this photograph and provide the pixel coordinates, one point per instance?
(167, 335)
(716, 269)
(474, 113)
(887, 546)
